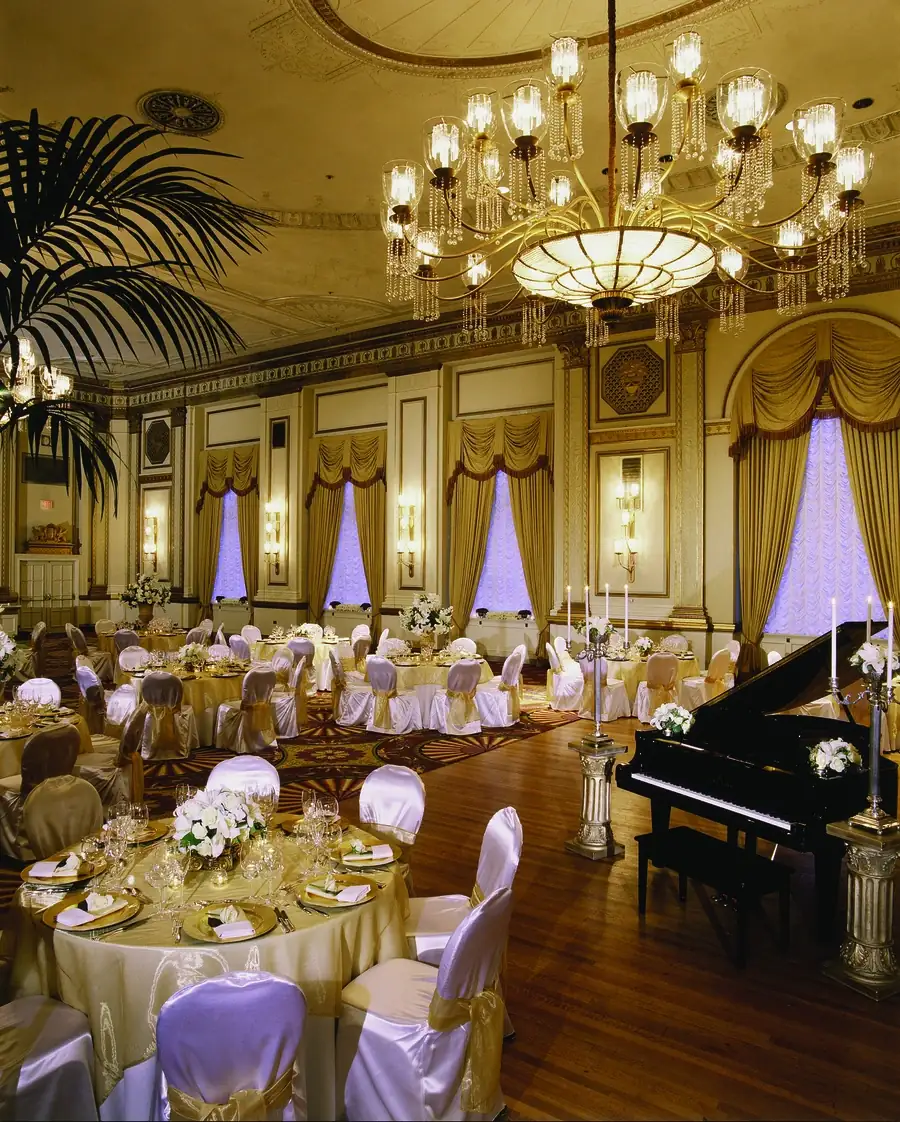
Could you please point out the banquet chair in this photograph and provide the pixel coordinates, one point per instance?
(733, 647)
(46, 753)
(418, 1023)
(220, 637)
(48, 1069)
(35, 663)
(219, 650)
(660, 687)
(240, 648)
(696, 691)
(392, 806)
(564, 686)
(198, 635)
(170, 733)
(772, 657)
(114, 767)
(101, 661)
(282, 663)
(126, 637)
(93, 699)
(361, 631)
(453, 710)
(562, 653)
(246, 724)
(42, 690)
(433, 919)
(675, 644)
(291, 705)
(59, 812)
(614, 703)
(306, 648)
(313, 631)
(105, 627)
(244, 773)
(351, 702)
(392, 712)
(381, 650)
(499, 700)
(468, 646)
(133, 658)
(207, 624)
(250, 633)
(361, 646)
(248, 1067)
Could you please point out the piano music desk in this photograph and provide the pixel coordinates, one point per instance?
(726, 868)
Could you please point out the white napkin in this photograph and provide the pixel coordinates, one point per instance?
(70, 864)
(240, 929)
(352, 894)
(97, 907)
(377, 853)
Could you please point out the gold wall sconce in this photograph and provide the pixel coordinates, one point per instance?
(406, 532)
(629, 496)
(272, 542)
(151, 540)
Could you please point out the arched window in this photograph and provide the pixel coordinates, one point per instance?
(229, 580)
(502, 585)
(348, 577)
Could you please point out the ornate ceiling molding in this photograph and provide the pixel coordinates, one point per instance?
(325, 220)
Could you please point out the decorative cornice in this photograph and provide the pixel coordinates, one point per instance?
(326, 220)
(716, 428)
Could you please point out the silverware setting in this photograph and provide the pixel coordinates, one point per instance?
(284, 921)
(177, 925)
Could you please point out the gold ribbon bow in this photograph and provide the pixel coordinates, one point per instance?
(163, 733)
(477, 896)
(301, 700)
(382, 717)
(258, 717)
(481, 1072)
(463, 710)
(515, 698)
(659, 695)
(714, 686)
(93, 709)
(243, 1106)
(349, 665)
(404, 840)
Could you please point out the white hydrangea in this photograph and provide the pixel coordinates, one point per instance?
(210, 820)
(672, 719)
(834, 756)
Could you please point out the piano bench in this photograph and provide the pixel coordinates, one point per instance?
(729, 870)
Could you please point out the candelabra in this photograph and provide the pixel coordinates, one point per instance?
(874, 817)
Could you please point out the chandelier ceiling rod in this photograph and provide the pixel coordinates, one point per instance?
(611, 110)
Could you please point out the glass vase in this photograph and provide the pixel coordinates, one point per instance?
(426, 646)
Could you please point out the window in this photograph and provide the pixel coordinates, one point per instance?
(348, 577)
(502, 586)
(827, 556)
(229, 571)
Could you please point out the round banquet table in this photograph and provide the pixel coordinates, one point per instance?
(11, 746)
(204, 694)
(263, 651)
(426, 678)
(120, 981)
(149, 640)
(633, 671)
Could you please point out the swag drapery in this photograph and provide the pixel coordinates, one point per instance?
(232, 469)
(521, 446)
(849, 368)
(334, 462)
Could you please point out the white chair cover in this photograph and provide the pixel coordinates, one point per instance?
(463, 644)
(283, 665)
(404, 1052)
(352, 702)
(259, 1022)
(564, 686)
(125, 637)
(48, 1062)
(207, 624)
(392, 803)
(104, 627)
(46, 754)
(306, 648)
(93, 699)
(454, 710)
(42, 690)
(290, 705)
(660, 687)
(361, 631)
(562, 653)
(220, 637)
(219, 650)
(733, 647)
(251, 633)
(133, 658)
(198, 635)
(240, 648)
(696, 691)
(361, 647)
(381, 649)
(101, 661)
(675, 644)
(615, 695)
(314, 632)
(773, 657)
(393, 713)
(244, 773)
(247, 724)
(170, 730)
(499, 700)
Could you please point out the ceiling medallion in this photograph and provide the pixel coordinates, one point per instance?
(491, 209)
(180, 111)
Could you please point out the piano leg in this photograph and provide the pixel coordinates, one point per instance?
(828, 881)
(659, 821)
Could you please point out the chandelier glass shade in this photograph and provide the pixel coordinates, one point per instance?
(527, 213)
(28, 381)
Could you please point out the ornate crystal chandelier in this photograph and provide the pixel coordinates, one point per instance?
(493, 214)
(29, 382)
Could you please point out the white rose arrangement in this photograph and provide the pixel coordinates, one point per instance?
(871, 658)
(426, 614)
(212, 821)
(672, 719)
(193, 654)
(12, 659)
(146, 590)
(834, 756)
(643, 645)
(594, 627)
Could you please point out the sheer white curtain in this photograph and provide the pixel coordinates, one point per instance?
(348, 577)
(827, 556)
(229, 571)
(502, 586)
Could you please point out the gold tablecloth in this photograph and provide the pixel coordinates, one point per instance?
(432, 674)
(632, 672)
(149, 640)
(121, 981)
(204, 694)
(11, 748)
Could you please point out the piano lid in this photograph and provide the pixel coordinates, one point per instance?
(796, 679)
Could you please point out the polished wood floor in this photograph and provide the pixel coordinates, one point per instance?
(622, 1019)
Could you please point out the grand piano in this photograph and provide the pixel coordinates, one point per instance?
(745, 763)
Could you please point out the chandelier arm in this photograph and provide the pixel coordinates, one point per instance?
(455, 276)
(611, 110)
(591, 197)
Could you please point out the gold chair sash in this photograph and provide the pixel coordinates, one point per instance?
(349, 665)
(382, 717)
(515, 699)
(258, 717)
(477, 896)
(659, 695)
(163, 733)
(301, 702)
(337, 692)
(714, 686)
(243, 1106)
(481, 1072)
(463, 710)
(93, 708)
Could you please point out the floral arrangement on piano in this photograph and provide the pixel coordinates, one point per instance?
(834, 756)
(595, 629)
(12, 659)
(672, 719)
(146, 590)
(425, 615)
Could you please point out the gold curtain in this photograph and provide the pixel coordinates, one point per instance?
(231, 469)
(369, 503)
(519, 445)
(324, 525)
(531, 499)
(471, 520)
(771, 478)
(209, 530)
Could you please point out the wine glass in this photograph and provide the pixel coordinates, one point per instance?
(273, 864)
(310, 803)
(115, 846)
(252, 863)
(331, 841)
(177, 863)
(267, 801)
(139, 814)
(329, 808)
(158, 876)
(183, 792)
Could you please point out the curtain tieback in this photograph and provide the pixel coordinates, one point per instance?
(382, 716)
(163, 730)
(243, 1106)
(257, 715)
(463, 710)
(481, 1072)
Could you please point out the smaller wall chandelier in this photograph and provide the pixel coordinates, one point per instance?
(628, 500)
(28, 381)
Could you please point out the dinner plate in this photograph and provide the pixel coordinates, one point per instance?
(93, 868)
(342, 880)
(346, 849)
(155, 831)
(286, 821)
(261, 916)
(129, 910)
(405, 662)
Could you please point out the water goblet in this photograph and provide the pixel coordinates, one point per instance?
(115, 845)
(252, 866)
(329, 808)
(139, 814)
(157, 876)
(273, 865)
(331, 841)
(183, 792)
(310, 803)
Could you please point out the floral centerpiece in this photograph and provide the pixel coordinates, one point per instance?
(426, 618)
(12, 659)
(594, 628)
(193, 656)
(871, 659)
(834, 756)
(213, 823)
(672, 719)
(643, 645)
(145, 594)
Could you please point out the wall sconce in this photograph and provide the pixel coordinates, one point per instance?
(628, 500)
(151, 540)
(406, 532)
(272, 543)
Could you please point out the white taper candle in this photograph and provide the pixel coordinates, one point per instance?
(568, 614)
(888, 675)
(833, 637)
(607, 600)
(626, 615)
(868, 618)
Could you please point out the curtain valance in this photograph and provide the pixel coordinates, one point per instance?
(857, 362)
(518, 445)
(232, 469)
(357, 459)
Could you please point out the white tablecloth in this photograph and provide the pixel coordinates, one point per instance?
(263, 651)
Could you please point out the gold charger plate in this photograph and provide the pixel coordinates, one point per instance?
(346, 849)
(128, 911)
(94, 868)
(342, 880)
(154, 832)
(286, 821)
(405, 662)
(260, 915)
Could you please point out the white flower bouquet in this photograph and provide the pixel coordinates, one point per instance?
(146, 590)
(672, 719)
(594, 626)
(871, 658)
(193, 654)
(425, 614)
(834, 756)
(643, 645)
(304, 631)
(212, 821)
(12, 659)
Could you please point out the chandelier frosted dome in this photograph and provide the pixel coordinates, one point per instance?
(526, 211)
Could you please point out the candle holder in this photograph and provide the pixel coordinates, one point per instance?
(874, 817)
